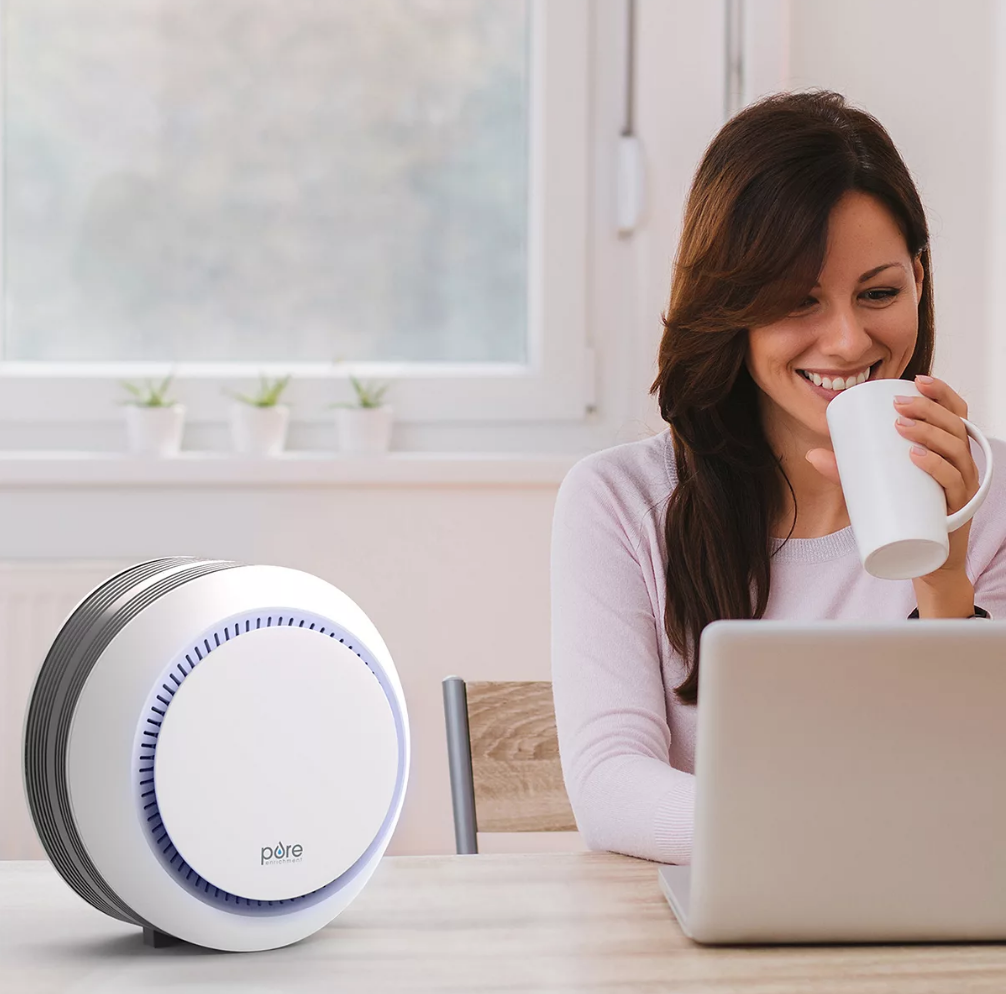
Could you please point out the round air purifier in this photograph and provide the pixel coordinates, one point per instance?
(217, 752)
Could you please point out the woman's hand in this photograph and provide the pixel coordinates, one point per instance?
(947, 459)
(938, 428)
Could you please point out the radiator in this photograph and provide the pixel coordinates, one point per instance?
(35, 599)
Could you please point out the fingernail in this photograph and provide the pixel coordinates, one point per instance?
(905, 421)
(902, 399)
(924, 379)
(919, 450)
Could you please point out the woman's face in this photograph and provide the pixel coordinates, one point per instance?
(863, 312)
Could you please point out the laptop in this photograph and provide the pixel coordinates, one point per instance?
(850, 784)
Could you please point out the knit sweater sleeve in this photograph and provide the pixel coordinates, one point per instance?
(610, 706)
(987, 548)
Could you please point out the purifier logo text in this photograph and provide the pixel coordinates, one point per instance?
(281, 853)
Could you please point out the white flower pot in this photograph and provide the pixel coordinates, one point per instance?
(364, 429)
(259, 431)
(155, 431)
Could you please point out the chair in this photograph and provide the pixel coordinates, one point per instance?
(503, 755)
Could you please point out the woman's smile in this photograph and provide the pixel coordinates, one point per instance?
(829, 394)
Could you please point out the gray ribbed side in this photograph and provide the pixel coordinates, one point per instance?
(75, 650)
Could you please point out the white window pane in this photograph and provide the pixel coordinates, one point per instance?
(265, 179)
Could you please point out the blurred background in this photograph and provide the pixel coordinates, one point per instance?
(474, 201)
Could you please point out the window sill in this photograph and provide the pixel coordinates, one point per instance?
(20, 469)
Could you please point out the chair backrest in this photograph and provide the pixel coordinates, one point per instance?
(504, 760)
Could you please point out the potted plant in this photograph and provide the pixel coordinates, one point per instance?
(259, 422)
(154, 424)
(365, 425)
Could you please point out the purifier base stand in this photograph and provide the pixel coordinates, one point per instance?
(158, 940)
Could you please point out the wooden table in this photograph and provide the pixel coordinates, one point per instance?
(589, 922)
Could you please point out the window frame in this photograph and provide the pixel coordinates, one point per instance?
(557, 383)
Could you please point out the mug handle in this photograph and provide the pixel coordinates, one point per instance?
(958, 518)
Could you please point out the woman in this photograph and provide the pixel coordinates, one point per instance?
(804, 252)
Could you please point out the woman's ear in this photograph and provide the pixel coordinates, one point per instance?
(920, 273)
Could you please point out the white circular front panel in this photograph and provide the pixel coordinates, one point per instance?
(276, 763)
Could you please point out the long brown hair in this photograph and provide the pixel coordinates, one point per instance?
(752, 246)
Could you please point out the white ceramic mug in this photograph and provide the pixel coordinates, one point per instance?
(897, 510)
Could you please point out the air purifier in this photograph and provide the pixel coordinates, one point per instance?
(216, 752)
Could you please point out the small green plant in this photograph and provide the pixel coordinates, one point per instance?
(367, 394)
(151, 395)
(269, 392)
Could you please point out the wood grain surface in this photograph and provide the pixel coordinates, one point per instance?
(515, 758)
(578, 922)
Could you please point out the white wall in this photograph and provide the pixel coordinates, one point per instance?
(992, 273)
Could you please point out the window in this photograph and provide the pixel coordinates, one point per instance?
(268, 185)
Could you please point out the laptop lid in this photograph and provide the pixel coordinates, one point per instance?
(851, 782)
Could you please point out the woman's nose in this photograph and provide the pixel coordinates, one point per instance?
(843, 332)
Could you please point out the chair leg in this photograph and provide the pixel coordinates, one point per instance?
(459, 758)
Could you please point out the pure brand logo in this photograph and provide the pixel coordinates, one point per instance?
(281, 853)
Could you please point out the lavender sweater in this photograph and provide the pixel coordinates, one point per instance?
(626, 742)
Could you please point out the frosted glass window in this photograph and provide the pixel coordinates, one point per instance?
(276, 180)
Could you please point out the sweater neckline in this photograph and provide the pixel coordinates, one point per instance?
(822, 549)
(815, 550)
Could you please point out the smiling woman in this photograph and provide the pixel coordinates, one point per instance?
(855, 323)
(800, 210)
(803, 263)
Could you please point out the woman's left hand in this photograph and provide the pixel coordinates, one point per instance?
(947, 459)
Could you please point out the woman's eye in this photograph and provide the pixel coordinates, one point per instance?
(874, 296)
(884, 294)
